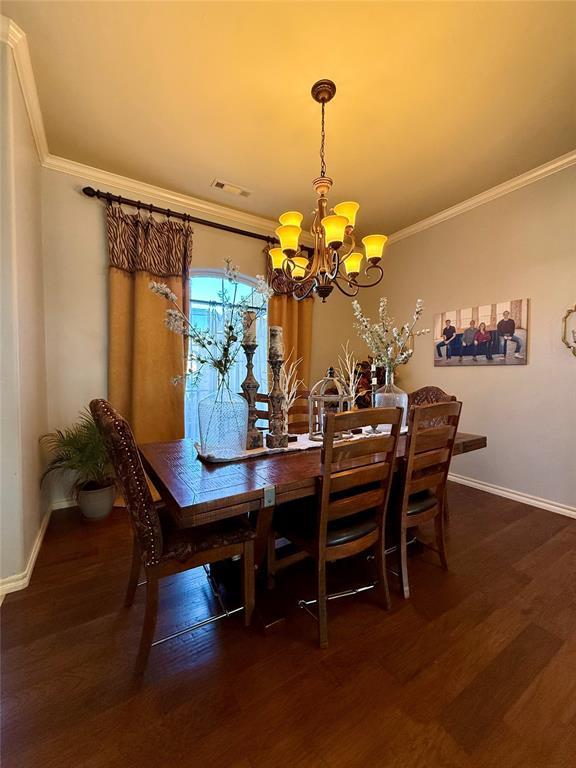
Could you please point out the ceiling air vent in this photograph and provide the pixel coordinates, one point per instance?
(232, 189)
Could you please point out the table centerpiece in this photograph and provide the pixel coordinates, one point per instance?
(223, 414)
(391, 346)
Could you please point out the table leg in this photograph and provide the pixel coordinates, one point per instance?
(263, 527)
(268, 615)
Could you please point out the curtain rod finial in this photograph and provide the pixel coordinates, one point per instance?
(89, 191)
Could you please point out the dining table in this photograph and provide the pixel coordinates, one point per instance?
(196, 492)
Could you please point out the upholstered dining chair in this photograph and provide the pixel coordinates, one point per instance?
(348, 514)
(159, 545)
(430, 443)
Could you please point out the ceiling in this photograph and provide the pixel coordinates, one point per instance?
(436, 102)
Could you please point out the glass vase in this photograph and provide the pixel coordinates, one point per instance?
(223, 423)
(391, 396)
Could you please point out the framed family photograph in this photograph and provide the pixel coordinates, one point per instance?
(489, 334)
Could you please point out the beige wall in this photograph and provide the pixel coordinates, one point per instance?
(76, 303)
(519, 245)
(23, 374)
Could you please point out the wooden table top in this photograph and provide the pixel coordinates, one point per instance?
(198, 493)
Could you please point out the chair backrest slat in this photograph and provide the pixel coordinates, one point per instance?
(125, 458)
(430, 458)
(359, 502)
(432, 438)
(364, 446)
(349, 478)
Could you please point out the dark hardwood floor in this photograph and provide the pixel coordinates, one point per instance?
(477, 669)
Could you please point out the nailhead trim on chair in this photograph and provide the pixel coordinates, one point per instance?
(142, 512)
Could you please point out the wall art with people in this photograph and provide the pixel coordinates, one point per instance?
(489, 334)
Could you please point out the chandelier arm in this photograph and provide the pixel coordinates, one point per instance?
(355, 287)
(332, 275)
(350, 249)
(377, 280)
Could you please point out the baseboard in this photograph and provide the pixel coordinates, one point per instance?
(507, 493)
(64, 503)
(21, 580)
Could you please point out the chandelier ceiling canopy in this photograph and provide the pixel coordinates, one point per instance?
(334, 260)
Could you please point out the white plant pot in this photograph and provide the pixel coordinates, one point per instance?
(97, 505)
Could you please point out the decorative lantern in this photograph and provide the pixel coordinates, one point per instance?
(329, 395)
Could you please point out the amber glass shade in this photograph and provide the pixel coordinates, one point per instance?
(300, 264)
(288, 235)
(334, 227)
(291, 218)
(353, 263)
(374, 246)
(277, 257)
(349, 210)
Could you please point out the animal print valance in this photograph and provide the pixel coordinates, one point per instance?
(141, 243)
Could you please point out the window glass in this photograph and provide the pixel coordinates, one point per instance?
(206, 312)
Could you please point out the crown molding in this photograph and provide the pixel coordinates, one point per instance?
(193, 205)
(15, 38)
(558, 164)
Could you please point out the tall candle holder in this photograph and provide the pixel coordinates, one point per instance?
(250, 386)
(276, 438)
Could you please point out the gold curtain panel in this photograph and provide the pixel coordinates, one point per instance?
(143, 356)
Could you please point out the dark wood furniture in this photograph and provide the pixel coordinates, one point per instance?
(432, 433)
(348, 513)
(160, 546)
(297, 416)
(429, 396)
(196, 493)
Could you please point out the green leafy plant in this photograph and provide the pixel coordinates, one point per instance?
(79, 449)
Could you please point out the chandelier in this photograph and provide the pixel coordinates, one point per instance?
(334, 260)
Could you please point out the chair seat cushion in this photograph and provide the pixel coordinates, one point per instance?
(182, 543)
(420, 502)
(296, 521)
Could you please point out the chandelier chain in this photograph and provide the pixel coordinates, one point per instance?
(322, 142)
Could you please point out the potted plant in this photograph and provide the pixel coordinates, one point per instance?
(80, 449)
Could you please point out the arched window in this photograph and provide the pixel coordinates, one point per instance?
(206, 312)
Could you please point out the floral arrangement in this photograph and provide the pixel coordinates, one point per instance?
(387, 342)
(216, 350)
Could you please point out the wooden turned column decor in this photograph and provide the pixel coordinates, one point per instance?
(276, 437)
(254, 437)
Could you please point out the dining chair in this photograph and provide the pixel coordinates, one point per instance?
(348, 514)
(429, 446)
(428, 396)
(159, 545)
(297, 415)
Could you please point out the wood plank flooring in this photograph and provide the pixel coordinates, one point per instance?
(476, 670)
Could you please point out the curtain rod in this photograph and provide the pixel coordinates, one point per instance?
(110, 198)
